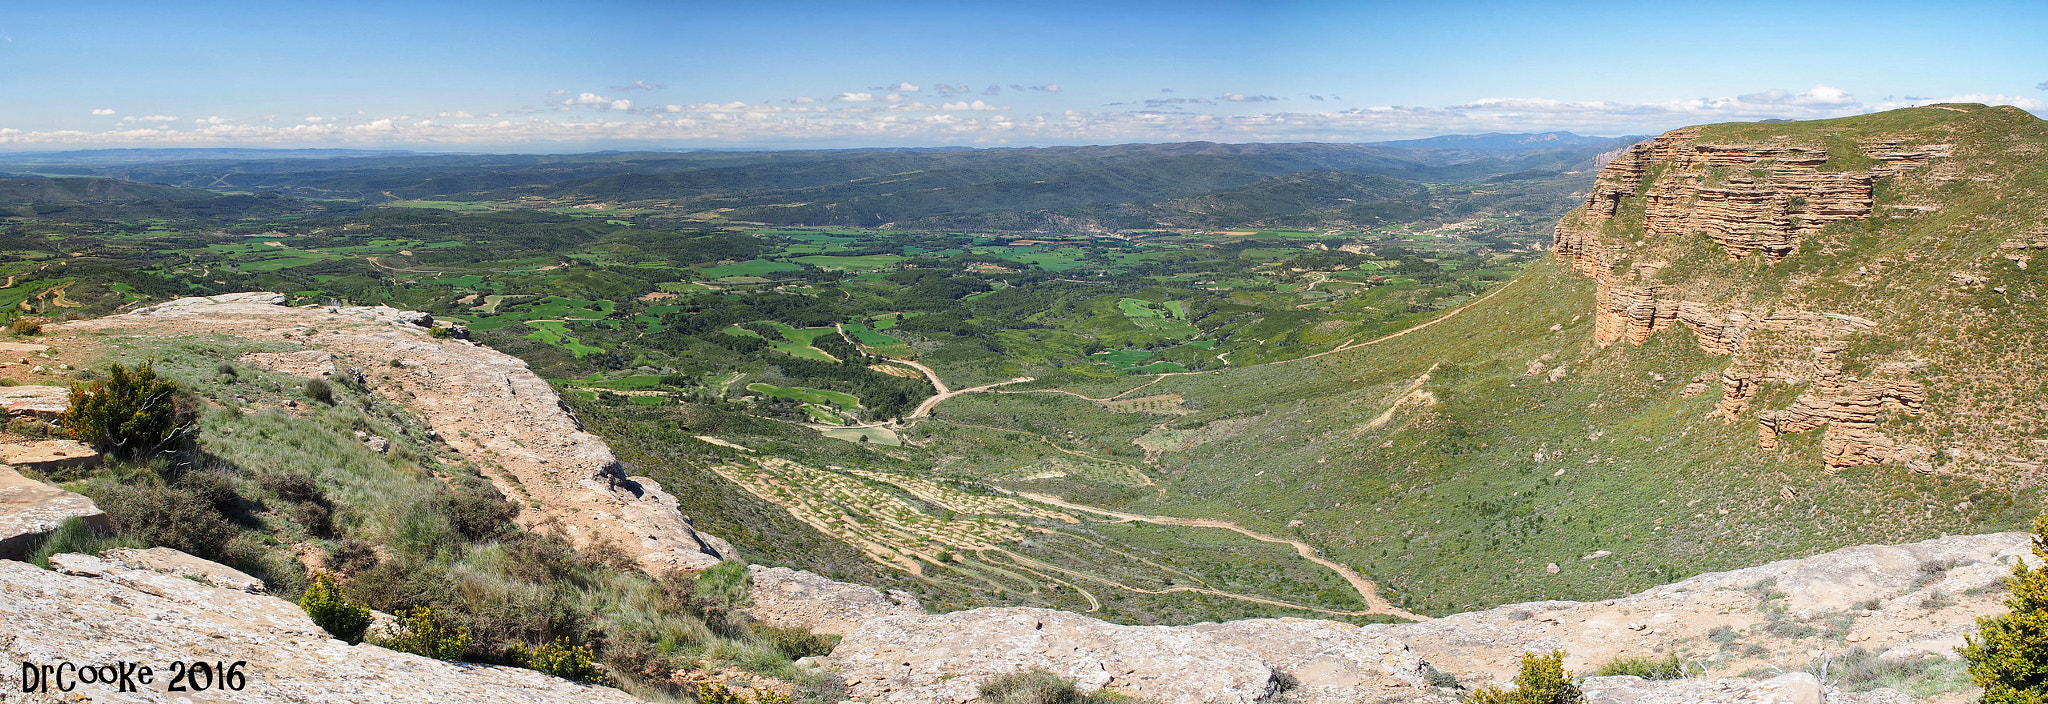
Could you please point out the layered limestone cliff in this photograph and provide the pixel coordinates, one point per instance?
(1785, 248)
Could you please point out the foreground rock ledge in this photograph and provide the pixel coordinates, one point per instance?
(99, 611)
(30, 510)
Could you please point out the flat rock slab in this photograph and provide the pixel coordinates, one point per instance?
(947, 657)
(46, 455)
(44, 402)
(1330, 661)
(100, 611)
(795, 598)
(30, 509)
(178, 564)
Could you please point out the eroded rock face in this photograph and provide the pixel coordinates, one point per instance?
(795, 598)
(48, 455)
(30, 510)
(102, 611)
(1749, 199)
(486, 405)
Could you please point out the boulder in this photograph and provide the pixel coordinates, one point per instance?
(30, 510)
(795, 598)
(101, 611)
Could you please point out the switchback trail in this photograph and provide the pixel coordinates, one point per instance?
(1367, 590)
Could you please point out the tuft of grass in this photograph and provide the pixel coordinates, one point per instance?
(74, 535)
(1646, 667)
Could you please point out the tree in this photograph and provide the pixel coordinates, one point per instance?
(126, 414)
(1542, 681)
(2009, 655)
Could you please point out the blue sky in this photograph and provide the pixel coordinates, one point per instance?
(554, 76)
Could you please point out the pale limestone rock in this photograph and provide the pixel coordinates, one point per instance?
(44, 402)
(47, 455)
(944, 658)
(795, 598)
(486, 405)
(30, 509)
(106, 612)
(1794, 688)
(178, 564)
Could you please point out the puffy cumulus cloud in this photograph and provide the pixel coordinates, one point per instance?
(1821, 94)
(149, 118)
(956, 89)
(893, 98)
(621, 104)
(213, 120)
(904, 87)
(975, 106)
(103, 111)
(855, 97)
(458, 114)
(802, 100)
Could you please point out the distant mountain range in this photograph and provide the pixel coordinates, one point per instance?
(1504, 142)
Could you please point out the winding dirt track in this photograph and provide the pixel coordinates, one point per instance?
(1367, 590)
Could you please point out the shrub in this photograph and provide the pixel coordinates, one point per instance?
(559, 658)
(319, 390)
(421, 632)
(333, 610)
(26, 326)
(1032, 687)
(440, 333)
(1648, 668)
(2009, 655)
(127, 414)
(716, 693)
(1438, 678)
(293, 486)
(1542, 681)
(353, 555)
(159, 515)
(797, 643)
(478, 512)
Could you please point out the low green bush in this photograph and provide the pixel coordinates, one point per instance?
(2009, 655)
(1035, 687)
(1541, 681)
(26, 326)
(319, 390)
(329, 607)
(559, 658)
(715, 693)
(159, 515)
(128, 414)
(422, 632)
(797, 642)
(1648, 668)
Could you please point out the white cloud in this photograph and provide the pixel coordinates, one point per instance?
(803, 100)
(903, 88)
(458, 114)
(976, 106)
(149, 118)
(949, 89)
(872, 122)
(103, 111)
(855, 97)
(893, 98)
(1239, 98)
(622, 104)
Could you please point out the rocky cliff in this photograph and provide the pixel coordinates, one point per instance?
(1843, 262)
(484, 404)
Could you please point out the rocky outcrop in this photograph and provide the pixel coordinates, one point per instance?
(944, 658)
(39, 402)
(486, 405)
(48, 455)
(99, 611)
(1794, 688)
(30, 510)
(1752, 197)
(795, 598)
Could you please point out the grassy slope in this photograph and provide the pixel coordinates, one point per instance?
(1447, 504)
